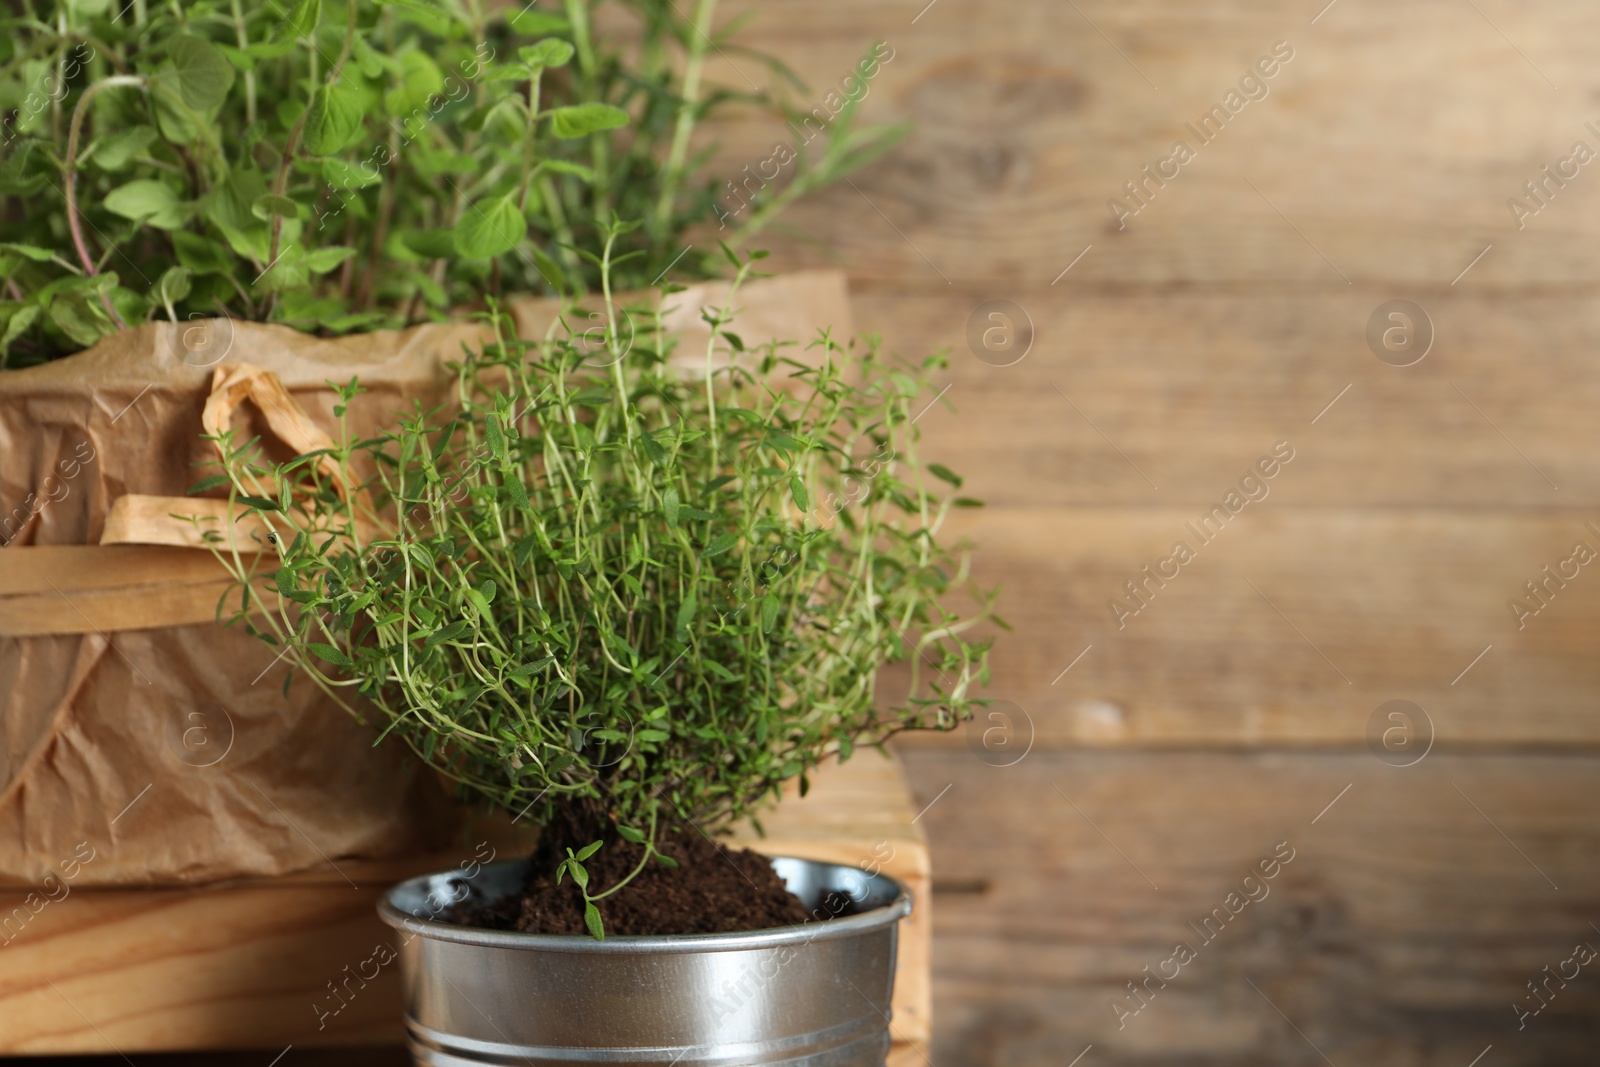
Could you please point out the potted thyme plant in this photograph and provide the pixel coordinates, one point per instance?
(616, 597)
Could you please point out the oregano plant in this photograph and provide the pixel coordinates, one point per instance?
(345, 165)
(611, 595)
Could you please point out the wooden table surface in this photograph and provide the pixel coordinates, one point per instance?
(1227, 315)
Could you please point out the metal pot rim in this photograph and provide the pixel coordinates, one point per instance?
(640, 944)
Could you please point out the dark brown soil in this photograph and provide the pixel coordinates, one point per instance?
(712, 890)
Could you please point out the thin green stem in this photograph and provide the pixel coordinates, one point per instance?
(70, 165)
(688, 112)
(649, 851)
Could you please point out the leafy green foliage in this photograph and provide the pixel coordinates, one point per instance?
(589, 591)
(460, 150)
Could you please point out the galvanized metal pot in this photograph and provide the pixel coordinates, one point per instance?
(814, 995)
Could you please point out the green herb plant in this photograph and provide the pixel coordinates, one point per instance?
(345, 165)
(603, 593)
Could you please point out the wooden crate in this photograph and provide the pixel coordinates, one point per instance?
(250, 965)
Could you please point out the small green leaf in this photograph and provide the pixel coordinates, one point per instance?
(588, 850)
(342, 175)
(630, 834)
(80, 316)
(325, 259)
(533, 23)
(591, 919)
(33, 252)
(204, 73)
(334, 121)
(802, 499)
(943, 473)
(496, 438)
(424, 13)
(533, 668)
(15, 178)
(667, 861)
(434, 244)
(669, 504)
(270, 204)
(564, 166)
(769, 612)
(489, 229)
(720, 544)
(304, 16)
(173, 285)
(550, 52)
(260, 503)
(580, 874)
(199, 254)
(371, 62)
(685, 615)
(329, 653)
(549, 270)
(448, 633)
(516, 491)
(148, 201)
(582, 119)
(18, 324)
(418, 79)
(208, 483)
(117, 150)
(278, 49)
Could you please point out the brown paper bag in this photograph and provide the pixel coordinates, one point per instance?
(130, 721)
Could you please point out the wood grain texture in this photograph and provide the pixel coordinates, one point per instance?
(1391, 141)
(1193, 387)
(248, 965)
(1413, 913)
(1290, 627)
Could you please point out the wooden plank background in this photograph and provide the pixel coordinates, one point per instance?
(1225, 317)
(1232, 714)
